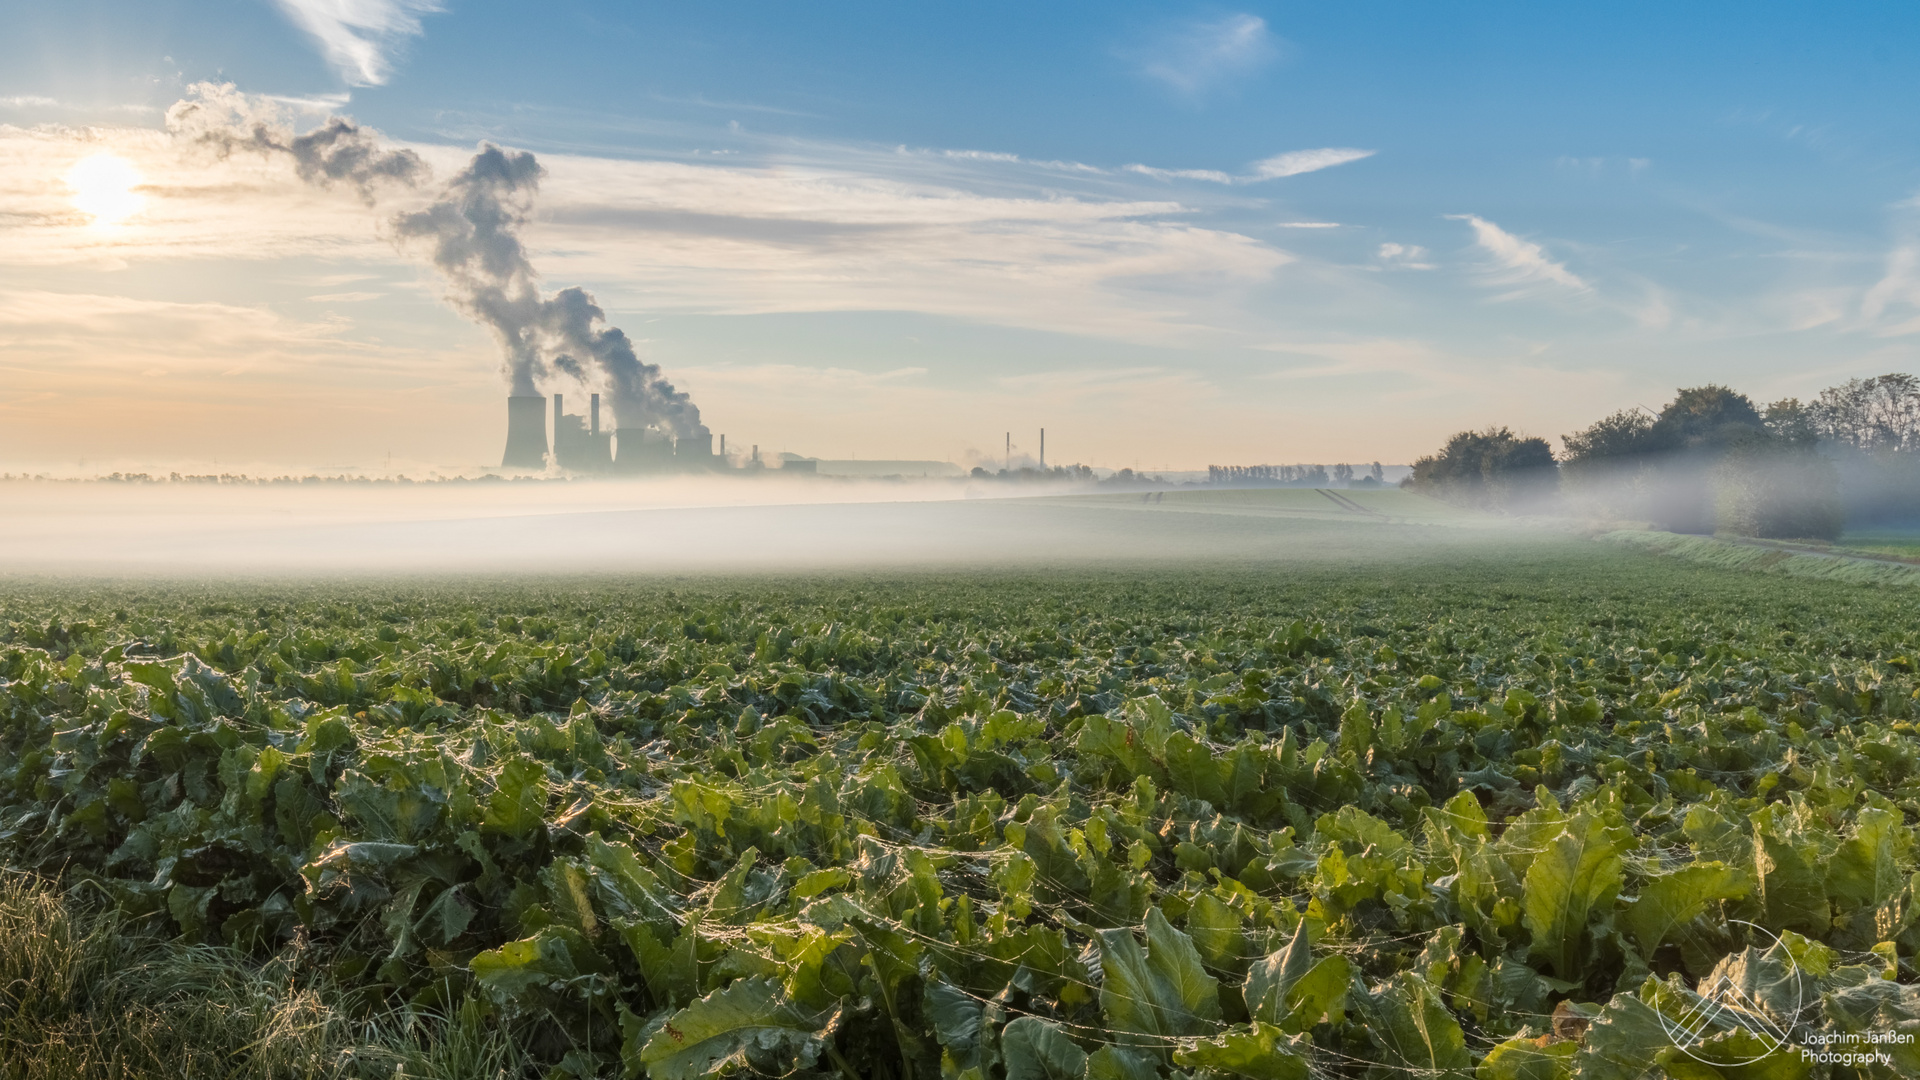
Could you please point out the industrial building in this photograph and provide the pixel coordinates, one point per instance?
(579, 444)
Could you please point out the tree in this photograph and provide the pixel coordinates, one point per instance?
(1493, 469)
(1707, 416)
(1770, 487)
(1793, 424)
(1878, 414)
(1626, 438)
(1870, 428)
(1667, 467)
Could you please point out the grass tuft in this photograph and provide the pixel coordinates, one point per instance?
(92, 995)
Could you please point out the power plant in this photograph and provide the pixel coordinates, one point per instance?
(580, 444)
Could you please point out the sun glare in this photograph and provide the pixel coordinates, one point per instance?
(103, 187)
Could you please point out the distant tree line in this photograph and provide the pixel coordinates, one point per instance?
(1295, 475)
(1709, 460)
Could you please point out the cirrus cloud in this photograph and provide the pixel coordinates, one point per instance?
(1518, 262)
(359, 37)
(1204, 55)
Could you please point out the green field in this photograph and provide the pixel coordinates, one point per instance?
(1391, 794)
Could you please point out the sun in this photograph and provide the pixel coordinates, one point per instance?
(103, 187)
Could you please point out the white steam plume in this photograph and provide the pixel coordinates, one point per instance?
(472, 231)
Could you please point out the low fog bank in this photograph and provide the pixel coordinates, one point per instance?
(666, 527)
(1710, 461)
(54, 503)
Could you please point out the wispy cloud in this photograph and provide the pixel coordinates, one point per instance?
(1201, 56)
(1211, 176)
(1403, 257)
(1306, 225)
(26, 101)
(872, 231)
(314, 103)
(1898, 288)
(1295, 162)
(359, 37)
(1519, 262)
(1291, 163)
(1001, 157)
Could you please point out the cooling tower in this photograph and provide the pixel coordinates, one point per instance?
(526, 433)
(642, 450)
(695, 450)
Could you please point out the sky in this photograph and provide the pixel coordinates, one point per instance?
(1172, 235)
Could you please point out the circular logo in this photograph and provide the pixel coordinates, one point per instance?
(1721, 1005)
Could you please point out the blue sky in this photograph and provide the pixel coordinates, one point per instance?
(897, 230)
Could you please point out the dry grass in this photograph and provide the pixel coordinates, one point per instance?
(90, 996)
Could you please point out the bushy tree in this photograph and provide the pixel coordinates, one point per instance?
(1626, 436)
(1493, 469)
(1707, 416)
(1793, 424)
(1662, 467)
(1769, 487)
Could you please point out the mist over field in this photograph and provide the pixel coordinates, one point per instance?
(691, 525)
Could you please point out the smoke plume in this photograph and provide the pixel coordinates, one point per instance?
(471, 232)
(337, 152)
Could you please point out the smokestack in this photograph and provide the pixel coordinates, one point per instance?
(723, 446)
(1043, 448)
(1009, 465)
(593, 414)
(526, 433)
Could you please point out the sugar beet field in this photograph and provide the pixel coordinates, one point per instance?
(1523, 808)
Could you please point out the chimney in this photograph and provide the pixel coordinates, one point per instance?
(1043, 448)
(526, 433)
(593, 414)
(723, 446)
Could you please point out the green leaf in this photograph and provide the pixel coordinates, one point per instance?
(1407, 1020)
(1121, 1063)
(1580, 870)
(671, 970)
(1356, 730)
(1673, 899)
(1793, 895)
(1527, 1059)
(1737, 1055)
(518, 805)
(1216, 933)
(1271, 978)
(1161, 993)
(1321, 994)
(1624, 1042)
(551, 959)
(1262, 1051)
(1868, 869)
(748, 1024)
(1037, 1049)
(957, 1019)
